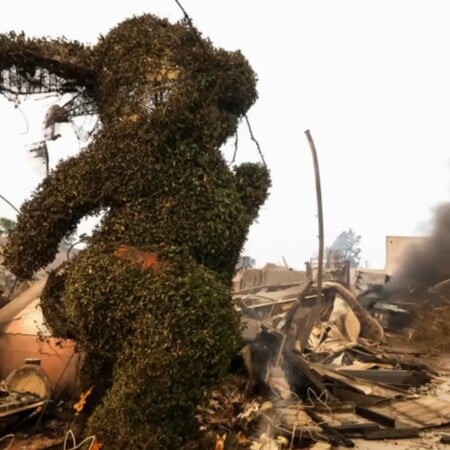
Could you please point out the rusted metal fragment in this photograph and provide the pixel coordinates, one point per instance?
(370, 414)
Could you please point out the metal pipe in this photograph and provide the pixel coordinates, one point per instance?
(9, 203)
(319, 213)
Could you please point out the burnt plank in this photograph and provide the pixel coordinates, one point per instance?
(382, 419)
(392, 433)
(357, 427)
(334, 435)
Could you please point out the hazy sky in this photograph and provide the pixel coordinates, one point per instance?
(370, 79)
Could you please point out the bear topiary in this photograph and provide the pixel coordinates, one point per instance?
(148, 300)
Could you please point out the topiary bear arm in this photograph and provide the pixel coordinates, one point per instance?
(71, 191)
(32, 66)
(253, 183)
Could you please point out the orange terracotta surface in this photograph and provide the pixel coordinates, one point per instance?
(25, 336)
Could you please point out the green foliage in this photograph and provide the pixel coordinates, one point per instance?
(35, 66)
(347, 245)
(155, 338)
(169, 354)
(6, 225)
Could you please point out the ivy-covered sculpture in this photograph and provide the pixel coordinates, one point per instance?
(148, 300)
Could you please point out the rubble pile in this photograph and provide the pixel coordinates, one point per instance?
(313, 373)
(317, 372)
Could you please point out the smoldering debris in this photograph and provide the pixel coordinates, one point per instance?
(315, 369)
(425, 264)
(416, 297)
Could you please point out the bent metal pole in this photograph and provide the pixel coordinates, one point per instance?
(9, 203)
(319, 213)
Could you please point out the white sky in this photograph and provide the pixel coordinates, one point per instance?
(370, 79)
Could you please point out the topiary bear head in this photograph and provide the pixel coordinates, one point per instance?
(150, 70)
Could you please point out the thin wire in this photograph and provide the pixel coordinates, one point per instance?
(291, 443)
(236, 141)
(27, 124)
(62, 374)
(322, 402)
(92, 440)
(8, 436)
(252, 136)
(318, 398)
(189, 21)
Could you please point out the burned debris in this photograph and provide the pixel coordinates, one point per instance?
(414, 294)
(318, 370)
(312, 372)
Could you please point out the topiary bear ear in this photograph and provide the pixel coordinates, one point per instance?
(41, 65)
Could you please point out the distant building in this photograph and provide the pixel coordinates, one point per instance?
(395, 248)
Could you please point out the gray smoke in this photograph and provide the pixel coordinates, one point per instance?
(425, 264)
